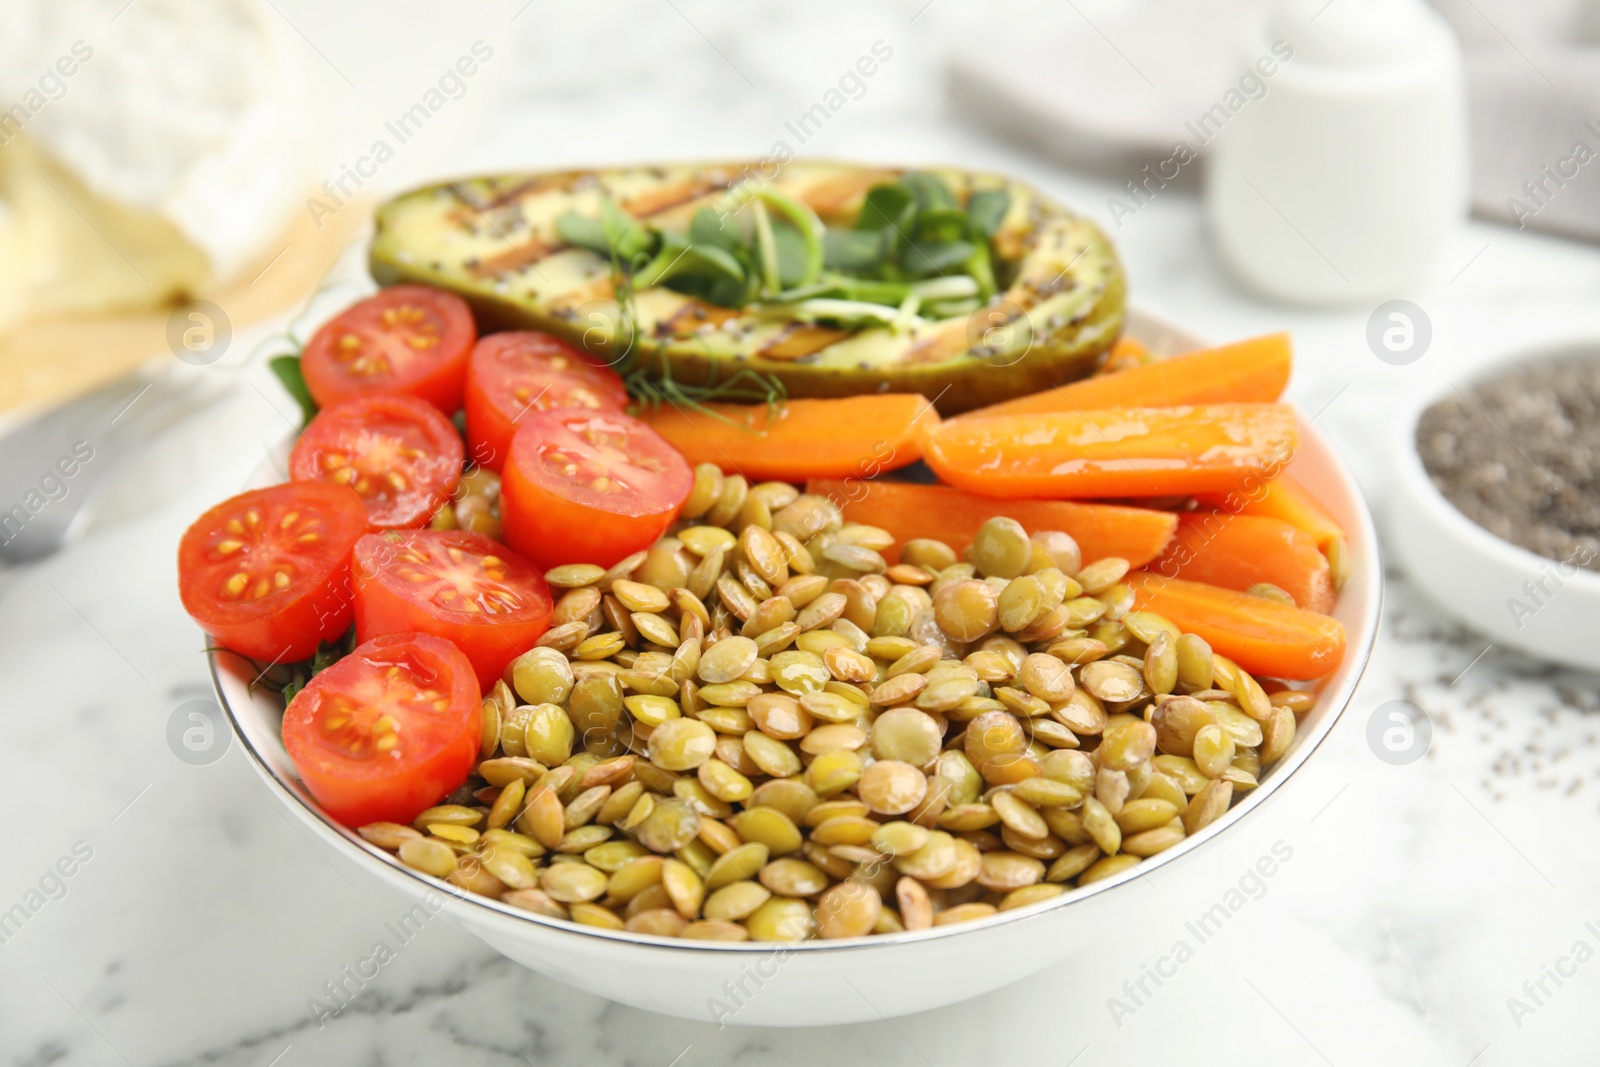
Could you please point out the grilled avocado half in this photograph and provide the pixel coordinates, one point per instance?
(494, 241)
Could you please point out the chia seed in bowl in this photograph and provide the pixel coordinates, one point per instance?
(1519, 454)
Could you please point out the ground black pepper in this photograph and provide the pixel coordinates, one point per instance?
(1519, 454)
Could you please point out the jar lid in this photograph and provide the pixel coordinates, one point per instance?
(1355, 33)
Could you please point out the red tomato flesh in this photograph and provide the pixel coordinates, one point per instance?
(589, 487)
(267, 573)
(398, 453)
(410, 340)
(387, 731)
(512, 374)
(486, 599)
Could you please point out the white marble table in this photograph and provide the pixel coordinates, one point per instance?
(1417, 901)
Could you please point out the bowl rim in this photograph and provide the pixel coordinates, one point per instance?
(1339, 689)
(1422, 492)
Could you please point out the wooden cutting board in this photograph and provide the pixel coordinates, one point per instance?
(47, 361)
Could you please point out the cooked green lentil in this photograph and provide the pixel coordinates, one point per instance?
(758, 731)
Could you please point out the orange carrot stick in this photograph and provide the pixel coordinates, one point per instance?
(856, 436)
(1238, 551)
(1253, 371)
(1282, 498)
(1114, 452)
(905, 510)
(1260, 635)
(1127, 353)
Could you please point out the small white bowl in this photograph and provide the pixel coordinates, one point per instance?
(815, 983)
(1492, 585)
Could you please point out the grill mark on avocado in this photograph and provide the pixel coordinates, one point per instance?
(692, 316)
(946, 341)
(599, 289)
(516, 258)
(560, 181)
(800, 340)
(645, 205)
(1064, 262)
(528, 255)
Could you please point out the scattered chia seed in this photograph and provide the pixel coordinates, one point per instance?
(1519, 454)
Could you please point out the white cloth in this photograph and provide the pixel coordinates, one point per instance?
(1113, 96)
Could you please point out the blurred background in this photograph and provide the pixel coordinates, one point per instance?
(160, 151)
(163, 150)
(179, 179)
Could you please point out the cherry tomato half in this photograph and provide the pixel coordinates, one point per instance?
(386, 731)
(486, 599)
(409, 339)
(397, 452)
(589, 487)
(511, 374)
(267, 573)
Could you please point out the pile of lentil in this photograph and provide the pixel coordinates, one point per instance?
(763, 729)
(1519, 455)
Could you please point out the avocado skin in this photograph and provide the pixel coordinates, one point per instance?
(1080, 308)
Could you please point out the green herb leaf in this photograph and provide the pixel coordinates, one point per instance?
(804, 292)
(887, 206)
(930, 191)
(854, 251)
(806, 223)
(583, 231)
(702, 271)
(981, 268)
(287, 369)
(870, 290)
(906, 316)
(708, 259)
(627, 239)
(924, 258)
(766, 249)
(987, 209)
(293, 687)
(709, 227)
(792, 254)
(948, 288)
(907, 230)
(944, 309)
(327, 655)
(652, 387)
(845, 312)
(941, 224)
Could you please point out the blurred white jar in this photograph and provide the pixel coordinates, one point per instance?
(1345, 181)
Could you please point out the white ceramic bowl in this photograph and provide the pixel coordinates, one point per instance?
(826, 982)
(1543, 607)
